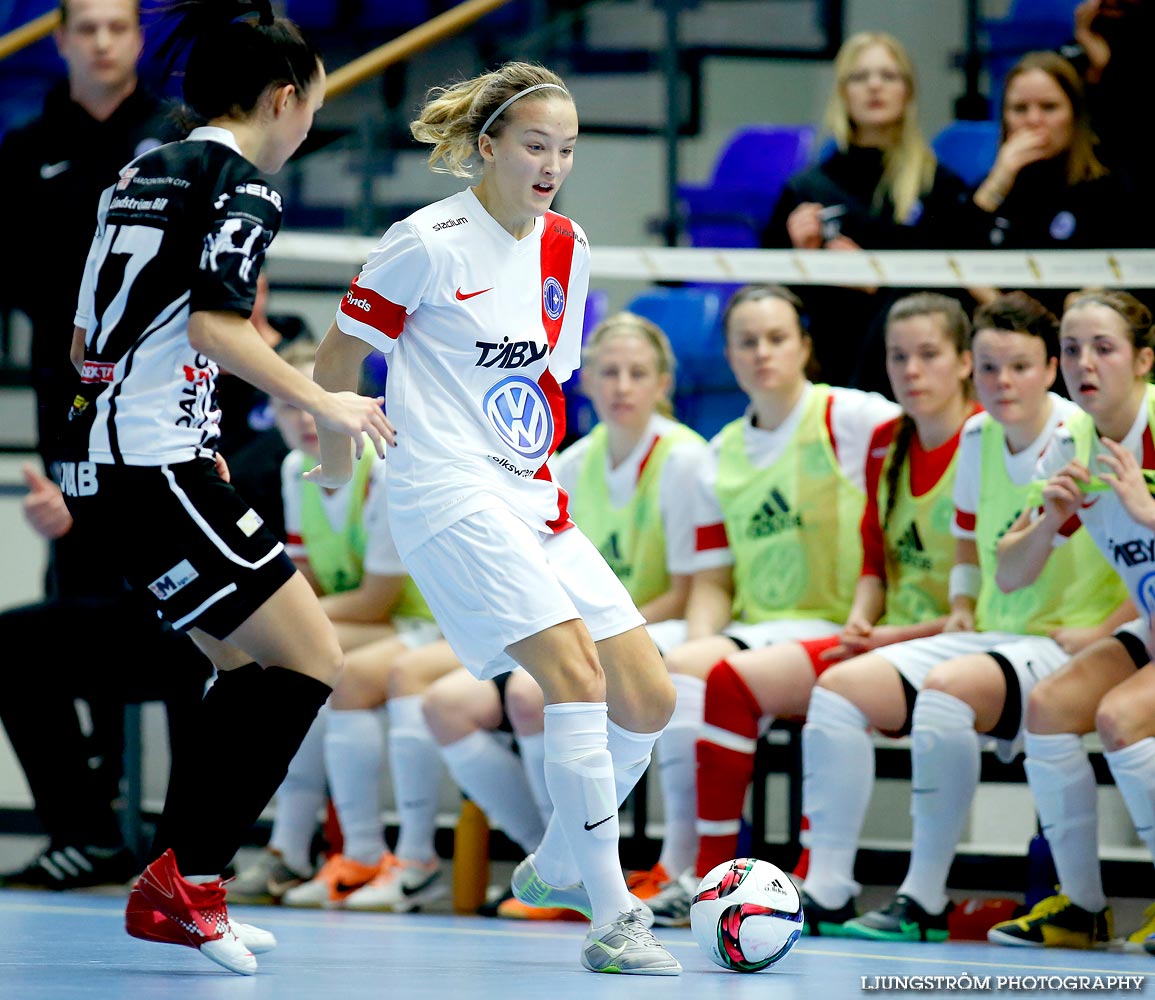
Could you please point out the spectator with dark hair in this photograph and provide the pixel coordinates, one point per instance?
(880, 189)
(1048, 190)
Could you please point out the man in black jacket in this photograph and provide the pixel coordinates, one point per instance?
(52, 172)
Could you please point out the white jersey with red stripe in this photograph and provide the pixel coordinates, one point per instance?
(1127, 546)
(481, 329)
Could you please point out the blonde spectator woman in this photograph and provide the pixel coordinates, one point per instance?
(879, 189)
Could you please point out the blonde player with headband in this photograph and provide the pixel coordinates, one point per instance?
(627, 480)
(1095, 477)
(478, 301)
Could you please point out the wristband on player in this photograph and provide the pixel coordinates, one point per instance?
(965, 580)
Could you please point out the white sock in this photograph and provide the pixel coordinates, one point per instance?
(631, 753)
(492, 776)
(1134, 771)
(354, 751)
(416, 770)
(580, 774)
(945, 773)
(1067, 798)
(837, 780)
(532, 748)
(300, 799)
(677, 754)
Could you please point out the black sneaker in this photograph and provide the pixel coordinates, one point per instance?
(489, 907)
(821, 922)
(74, 867)
(900, 920)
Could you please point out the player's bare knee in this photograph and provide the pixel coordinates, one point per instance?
(656, 706)
(1118, 724)
(688, 661)
(947, 682)
(575, 678)
(446, 715)
(834, 680)
(403, 682)
(524, 704)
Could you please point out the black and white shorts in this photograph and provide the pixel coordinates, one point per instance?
(183, 535)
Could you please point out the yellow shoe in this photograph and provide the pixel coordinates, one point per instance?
(1056, 922)
(647, 884)
(1135, 940)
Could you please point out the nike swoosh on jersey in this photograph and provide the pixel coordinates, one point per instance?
(462, 296)
(590, 826)
(50, 170)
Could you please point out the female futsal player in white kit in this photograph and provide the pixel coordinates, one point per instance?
(478, 302)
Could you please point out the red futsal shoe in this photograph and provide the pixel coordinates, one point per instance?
(165, 907)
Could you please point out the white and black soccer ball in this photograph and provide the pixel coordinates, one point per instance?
(746, 915)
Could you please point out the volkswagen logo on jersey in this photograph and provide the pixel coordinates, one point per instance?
(553, 297)
(1146, 593)
(520, 414)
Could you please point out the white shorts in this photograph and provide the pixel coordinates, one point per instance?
(669, 634)
(416, 632)
(491, 580)
(780, 630)
(1032, 657)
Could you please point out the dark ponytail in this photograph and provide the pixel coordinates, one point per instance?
(234, 56)
(899, 450)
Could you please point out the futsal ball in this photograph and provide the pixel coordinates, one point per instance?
(746, 915)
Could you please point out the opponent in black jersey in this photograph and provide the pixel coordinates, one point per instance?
(167, 292)
(194, 206)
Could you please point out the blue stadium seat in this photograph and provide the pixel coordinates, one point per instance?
(1029, 25)
(705, 394)
(395, 16)
(690, 318)
(313, 15)
(710, 410)
(734, 206)
(968, 148)
(27, 75)
(580, 417)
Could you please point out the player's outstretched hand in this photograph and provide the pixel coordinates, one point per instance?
(358, 416)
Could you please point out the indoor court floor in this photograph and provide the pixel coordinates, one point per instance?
(59, 947)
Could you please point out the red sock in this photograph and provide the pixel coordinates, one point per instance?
(803, 864)
(724, 772)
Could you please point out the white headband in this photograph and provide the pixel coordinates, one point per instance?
(509, 100)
